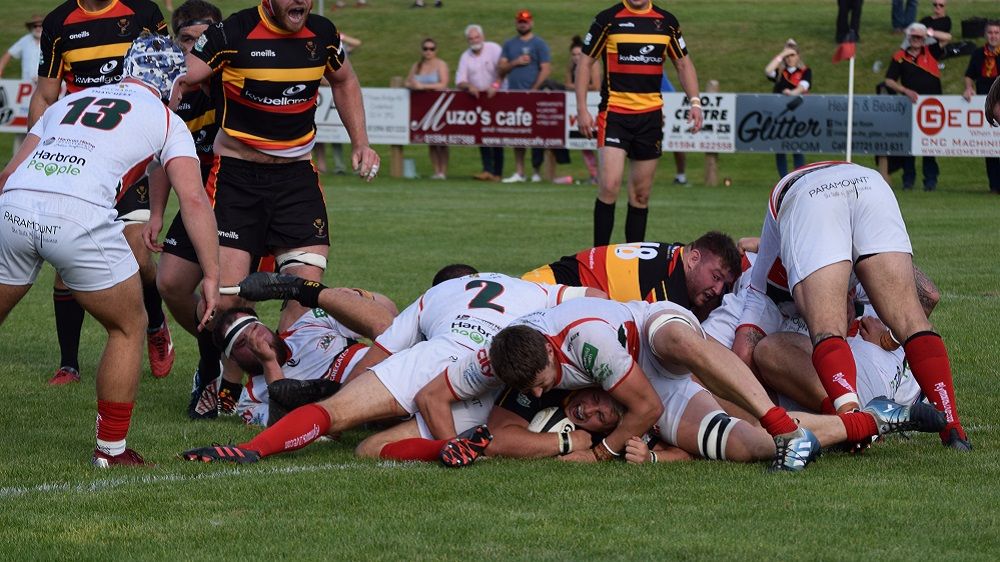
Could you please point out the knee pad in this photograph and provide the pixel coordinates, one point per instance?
(296, 258)
(713, 433)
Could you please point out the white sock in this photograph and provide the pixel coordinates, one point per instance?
(111, 448)
(681, 177)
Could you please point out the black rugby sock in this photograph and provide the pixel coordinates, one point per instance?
(154, 307)
(635, 224)
(604, 222)
(69, 322)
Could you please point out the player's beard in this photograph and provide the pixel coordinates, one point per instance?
(291, 16)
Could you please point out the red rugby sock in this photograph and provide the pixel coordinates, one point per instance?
(835, 366)
(929, 362)
(299, 428)
(113, 420)
(826, 407)
(413, 449)
(860, 426)
(777, 422)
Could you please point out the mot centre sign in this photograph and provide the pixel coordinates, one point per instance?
(889, 125)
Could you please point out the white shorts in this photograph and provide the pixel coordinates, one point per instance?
(81, 240)
(675, 394)
(406, 372)
(838, 214)
(466, 414)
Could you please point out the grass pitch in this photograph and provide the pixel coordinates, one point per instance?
(902, 500)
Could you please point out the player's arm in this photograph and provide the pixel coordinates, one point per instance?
(689, 83)
(184, 174)
(46, 93)
(159, 192)
(359, 314)
(198, 72)
(29, 144)
(642, 408)
(927, 291)
(584, 120)
(513, 439)
(434, 401)
(351, 108)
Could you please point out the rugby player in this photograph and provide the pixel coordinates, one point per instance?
(634, 38)
(57, 201)
(694, 276)
(83, 44)
(271, 59)
(630, 348)
(826, 223)
(447, 322)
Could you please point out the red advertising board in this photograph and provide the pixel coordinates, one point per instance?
(452, 117)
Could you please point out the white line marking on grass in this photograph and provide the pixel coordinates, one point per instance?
(112, 483)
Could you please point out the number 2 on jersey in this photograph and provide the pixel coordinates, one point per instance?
(488, 290)
(108, 114)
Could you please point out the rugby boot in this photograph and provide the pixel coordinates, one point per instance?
(204, 404)
(219, 453)
(794, 451)
(956, 440)
(893, 417)
(161, 351)
(65, 375)
(126, 458)
(468, 446)
(265, 285)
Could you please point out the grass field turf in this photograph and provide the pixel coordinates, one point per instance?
(904, 499)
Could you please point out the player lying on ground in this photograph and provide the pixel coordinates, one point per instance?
(694, 276)
(310, 360)
(644, 354)
(447, 322)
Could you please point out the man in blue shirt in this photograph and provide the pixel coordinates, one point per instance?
(525, 62)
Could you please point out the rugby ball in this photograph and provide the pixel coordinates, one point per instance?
(551, 420)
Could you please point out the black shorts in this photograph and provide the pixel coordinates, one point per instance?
(133, 202)
(566, 271)
(262, 207)
(640, 135)
(177, 242)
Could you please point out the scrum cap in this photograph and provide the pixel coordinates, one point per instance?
(157, 61)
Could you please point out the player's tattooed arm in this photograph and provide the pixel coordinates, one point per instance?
(927, 291)
(746, 340)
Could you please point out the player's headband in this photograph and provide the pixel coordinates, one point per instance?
(192, 22)
(234, 331)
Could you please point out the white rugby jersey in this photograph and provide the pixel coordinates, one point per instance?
(96, 140)
(469, 310)
(597, 342)
(318, 347)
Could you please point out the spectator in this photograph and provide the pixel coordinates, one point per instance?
(593, 85)
(478, 73)
(914, 72)
(940, 22)
(791, 77)
(431, 73)
(28, 50)
(848, 19)
(336, 148)
(904, 12)
(525, 62)
(979, 76)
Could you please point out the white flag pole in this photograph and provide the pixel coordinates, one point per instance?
(850, 108)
